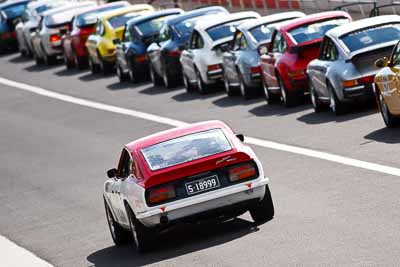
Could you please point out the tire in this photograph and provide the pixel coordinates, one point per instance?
(68, 63)
(288, 98)
(105, 67)
(169, 82)
(37, 59)
(245, 91)
(316, 103)
(133, 74)
(264, 210)
(390, 120)
(188, 86)
(94, 68)
(121, 75)
(79, 63)
(228, 89)
(201, 86)
(269, 98)
(335, 105)
(155, 78)
(49, 60)
(143, 238)
(118, 234)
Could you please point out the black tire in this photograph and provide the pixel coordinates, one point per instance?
(390, 120)
(38, 60)
(316, 103)
(335, 105)
(201, 86)
(79, 63)
(68, 63)
(121, 75)
(105, 67)
(269, 98)
(288, 98)
(94, 68)
(188, 86)
(230, 91)
(245, 91)
(144, 238)
(264, 210)
(155, 78)
(169, 81)
(118, 234)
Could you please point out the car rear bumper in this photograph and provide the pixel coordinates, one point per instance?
(359, 92)
(203, 204)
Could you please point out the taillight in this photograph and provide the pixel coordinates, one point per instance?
(360, 81)
(350, 83)
(367, 79)
(241, 172)
(55, 38)
(161, 194)
(141, 58)
(214, 67)
(86, 31)
(296, 73)
(255, 70)
(174, 53)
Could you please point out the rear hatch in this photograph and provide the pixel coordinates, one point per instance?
(365, 62)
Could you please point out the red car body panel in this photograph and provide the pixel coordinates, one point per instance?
(287, 64)
(148, 178)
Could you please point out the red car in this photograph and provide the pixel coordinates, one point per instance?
(293, 45)
(188, 174)
(83, 25)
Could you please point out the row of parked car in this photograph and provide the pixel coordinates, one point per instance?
(285, 57)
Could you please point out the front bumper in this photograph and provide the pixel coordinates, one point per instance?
(189, 207)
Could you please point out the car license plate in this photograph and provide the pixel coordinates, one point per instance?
(202, 185)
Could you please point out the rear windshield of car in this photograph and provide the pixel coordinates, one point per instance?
(372, 36)
(185, 149)
(14, 10)
(264, 32)
(150, 27)
(224, 30)
(315, 30)
(82, 20)
(119, 21)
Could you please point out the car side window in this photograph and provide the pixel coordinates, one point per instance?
(164, 33)
(329, 51)
(127, 35)
(236, 42)
(243, 43)
(279, 43)
(395, 60)
(125, 165)
(196, 41)
(100, 28)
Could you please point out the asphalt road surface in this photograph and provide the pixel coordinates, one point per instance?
(54, 154)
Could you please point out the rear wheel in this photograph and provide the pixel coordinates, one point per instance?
(105, 67)
(188, 86)
(121, 75)
(245, 91)
(264, 210)
(155, 78)
(49, 60)
(37, 59)
(228, 88)
(169, 81)
(143, 237)
(201, 86)
(68, 63)
(390, 120)
(288, 98)
(79, 63)
(335, 104)
(118, 234)
(269, 98)
(316, 103)
(94, 68)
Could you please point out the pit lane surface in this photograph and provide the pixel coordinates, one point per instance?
(54, 156)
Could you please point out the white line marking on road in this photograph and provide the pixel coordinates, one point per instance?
(176, 123)
(13, 255)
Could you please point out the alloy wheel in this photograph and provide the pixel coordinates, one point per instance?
(266, 93)
(384, 108)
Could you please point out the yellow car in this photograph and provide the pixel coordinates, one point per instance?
(387, 87)
(110, 26)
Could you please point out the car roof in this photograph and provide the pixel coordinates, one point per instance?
(125, 10)
(354, 26)
(66, 14)
(65, 7)
(154, 15)
(175, 133)
(94, 8)
(270, 19)
(206, 24)
(14, 2)
(195, 13)
(289, 25)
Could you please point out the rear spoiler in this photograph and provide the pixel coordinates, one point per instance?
(221, 42)
(298, 48)
(372, 48)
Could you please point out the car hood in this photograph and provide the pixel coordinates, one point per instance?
(195, 167)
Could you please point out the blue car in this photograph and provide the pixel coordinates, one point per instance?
(10, 15)
(139, 33)
(164, 65)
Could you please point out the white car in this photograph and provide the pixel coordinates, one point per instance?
(46, 40)
(202, 58)
(188, 174)
(30, 22)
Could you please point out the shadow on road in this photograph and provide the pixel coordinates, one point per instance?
(19, 59)
(64, 72)
(385, 135)
(40, 68)
(176, 242)
(276, 110)
(185, 96)
(88, 77)
(151, 90)
(228, 101)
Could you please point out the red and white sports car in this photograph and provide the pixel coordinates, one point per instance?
(187, 174)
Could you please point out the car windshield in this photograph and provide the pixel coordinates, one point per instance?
(224, 30)
(372, 36)
(86, 19)
(185, 149)
(150, 27)
(315, 30)
(15, 10)
(119, 21)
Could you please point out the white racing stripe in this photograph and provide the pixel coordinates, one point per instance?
(13, 255)
(176, 123)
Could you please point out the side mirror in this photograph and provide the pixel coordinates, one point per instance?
(112, 173)
(381, 63)
(116, 41)
(240, 137)
(262, 49)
